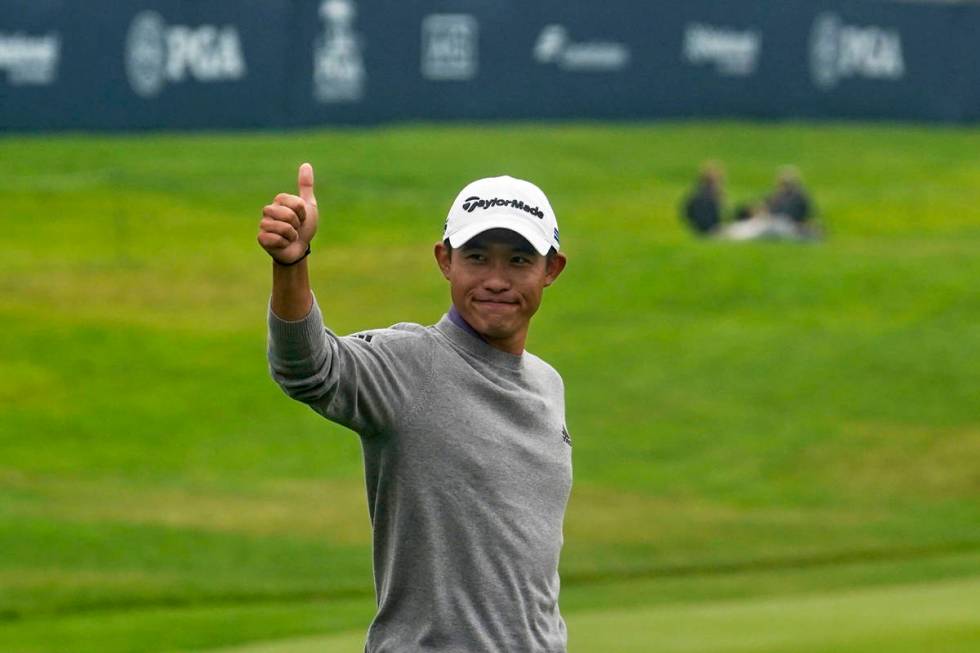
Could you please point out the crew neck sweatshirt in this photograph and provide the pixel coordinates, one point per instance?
(468, 471)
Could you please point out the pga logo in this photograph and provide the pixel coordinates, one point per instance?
(840, 51)
(157, 53)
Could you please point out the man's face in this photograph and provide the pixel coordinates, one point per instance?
(496, 280)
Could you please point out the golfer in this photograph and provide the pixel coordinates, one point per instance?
(466, 455)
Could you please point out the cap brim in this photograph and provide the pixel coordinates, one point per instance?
(502, 221)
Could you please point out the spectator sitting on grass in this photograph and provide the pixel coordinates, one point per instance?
(783, 215)
(790, 198)
(702, 207)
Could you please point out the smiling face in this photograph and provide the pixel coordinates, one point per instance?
(496, 280)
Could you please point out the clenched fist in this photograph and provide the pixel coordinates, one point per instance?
(289, 223)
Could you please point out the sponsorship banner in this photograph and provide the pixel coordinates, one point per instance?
(902, 62)
(33, 41)
(968, 20)
(146, 63)
(203, 64)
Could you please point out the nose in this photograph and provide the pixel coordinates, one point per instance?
(496, 279)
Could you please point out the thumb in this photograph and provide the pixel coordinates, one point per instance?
(306, 184)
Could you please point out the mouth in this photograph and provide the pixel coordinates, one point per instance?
(495, 303)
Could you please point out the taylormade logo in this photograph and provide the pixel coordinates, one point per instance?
(471, 204)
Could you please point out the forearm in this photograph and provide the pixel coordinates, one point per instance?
(291, 296)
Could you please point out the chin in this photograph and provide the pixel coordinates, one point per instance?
(488, 327)
(497, 332)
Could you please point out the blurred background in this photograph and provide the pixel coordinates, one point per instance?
(774, 410)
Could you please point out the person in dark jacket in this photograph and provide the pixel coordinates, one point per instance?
(703, 206)
(789, 199)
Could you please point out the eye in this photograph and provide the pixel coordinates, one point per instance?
(520, 260)
(476, 257)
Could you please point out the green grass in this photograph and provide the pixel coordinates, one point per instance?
(750, 421)
(933, 617)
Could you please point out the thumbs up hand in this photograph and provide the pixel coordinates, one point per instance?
(289, 223)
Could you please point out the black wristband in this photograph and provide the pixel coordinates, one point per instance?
(307, 253)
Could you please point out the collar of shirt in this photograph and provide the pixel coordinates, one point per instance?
(458, 320)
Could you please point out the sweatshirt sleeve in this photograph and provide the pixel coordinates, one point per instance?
(360, 381)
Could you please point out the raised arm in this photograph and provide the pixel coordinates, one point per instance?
(359, 382)
(287, 227)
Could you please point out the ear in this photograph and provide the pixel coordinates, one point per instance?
(554, 267)
(443, 258)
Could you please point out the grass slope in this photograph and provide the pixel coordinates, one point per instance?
(737, 411)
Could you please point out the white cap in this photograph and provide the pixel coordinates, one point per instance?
(503, 203)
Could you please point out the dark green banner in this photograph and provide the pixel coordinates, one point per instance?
(272, 63)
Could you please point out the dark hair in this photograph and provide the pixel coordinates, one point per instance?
(550, 255)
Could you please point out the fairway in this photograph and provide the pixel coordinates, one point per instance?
(937, 617)
(775, 444)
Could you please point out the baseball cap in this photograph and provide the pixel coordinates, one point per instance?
(502, 203)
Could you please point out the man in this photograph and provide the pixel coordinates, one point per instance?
(466, 455)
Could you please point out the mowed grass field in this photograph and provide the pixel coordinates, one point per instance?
(776, 445)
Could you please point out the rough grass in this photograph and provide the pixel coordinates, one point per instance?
(740, 413)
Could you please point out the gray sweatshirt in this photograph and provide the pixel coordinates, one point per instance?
(468, 470)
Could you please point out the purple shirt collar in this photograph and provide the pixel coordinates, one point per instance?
(458, 320)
